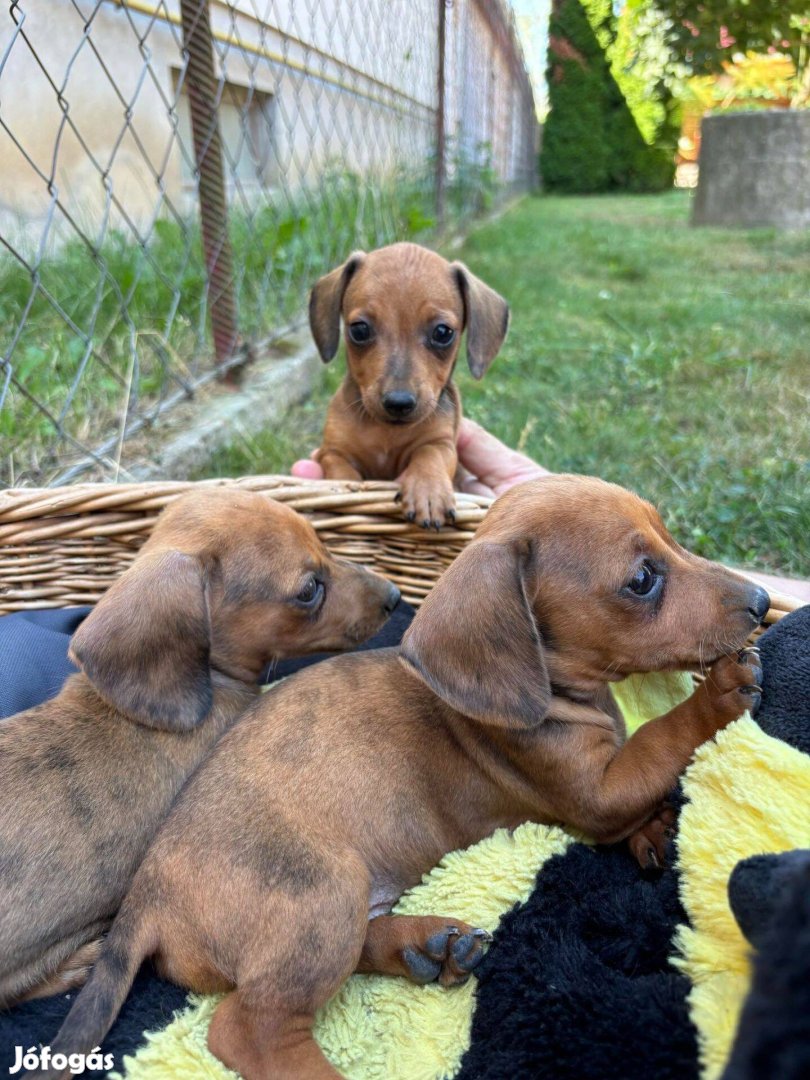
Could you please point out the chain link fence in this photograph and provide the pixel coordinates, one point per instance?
(176, 173)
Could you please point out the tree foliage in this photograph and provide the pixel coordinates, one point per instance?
(707, 32)
(648, 73)
(591, 140)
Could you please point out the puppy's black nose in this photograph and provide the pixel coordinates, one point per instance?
(399, 403)
(758, 603)
(392, 599)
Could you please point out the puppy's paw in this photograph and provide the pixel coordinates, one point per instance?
(733, 686)
(448, 955)
(429, 502)
(650, 844)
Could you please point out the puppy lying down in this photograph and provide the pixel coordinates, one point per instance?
(172, 653)
(274, 875)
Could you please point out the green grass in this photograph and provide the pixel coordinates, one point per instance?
(668, 359)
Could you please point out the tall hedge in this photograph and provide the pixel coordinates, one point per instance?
(591, 141)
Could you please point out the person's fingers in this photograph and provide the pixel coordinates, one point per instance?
(472, 486)
(473, 440)
(496, 466)
(465, 481)
(306, 469)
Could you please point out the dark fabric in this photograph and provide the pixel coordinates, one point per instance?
(771, 895)
(33, 666)
(757, 887)
(773, 1038)
(33, 656)
(785, 710)
(149, 1007)
(577, 984)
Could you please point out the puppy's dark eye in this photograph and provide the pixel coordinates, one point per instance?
(360, 332)
(644, 581)
(311, 593)
(442, 335)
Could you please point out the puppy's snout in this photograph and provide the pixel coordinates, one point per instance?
(399, 404)
(758, 604)
(391, 600)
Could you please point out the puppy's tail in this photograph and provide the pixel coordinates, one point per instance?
(94, 1011)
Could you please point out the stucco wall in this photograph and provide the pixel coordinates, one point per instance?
(106, 129)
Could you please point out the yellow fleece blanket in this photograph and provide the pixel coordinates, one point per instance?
(377, 1027)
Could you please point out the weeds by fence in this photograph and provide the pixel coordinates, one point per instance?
(322, 126)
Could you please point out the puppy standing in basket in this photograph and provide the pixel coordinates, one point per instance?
(172, 653)
(397, 412)
(274, 875)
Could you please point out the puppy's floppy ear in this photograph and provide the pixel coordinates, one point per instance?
(325, 302)
(145, 646)
(475, 643)
(486, 315)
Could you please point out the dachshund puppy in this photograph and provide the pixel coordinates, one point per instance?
(397, 412)
(273, 877)
(228, 581)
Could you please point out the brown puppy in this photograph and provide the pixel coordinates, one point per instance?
(344, 785)
(228, 581)
(397, 412)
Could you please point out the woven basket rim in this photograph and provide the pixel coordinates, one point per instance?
(36, 520)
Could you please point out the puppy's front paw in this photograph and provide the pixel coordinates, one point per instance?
(429, 502)
(733, 686)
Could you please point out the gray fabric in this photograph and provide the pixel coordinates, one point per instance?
(33, 656)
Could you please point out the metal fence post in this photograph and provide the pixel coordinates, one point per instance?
(441, 164)
(200, 83)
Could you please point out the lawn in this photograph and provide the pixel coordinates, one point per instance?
(668, 359)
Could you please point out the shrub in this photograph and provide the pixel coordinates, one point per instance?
(591, 140)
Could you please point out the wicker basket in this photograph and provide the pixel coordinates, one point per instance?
(64, 546)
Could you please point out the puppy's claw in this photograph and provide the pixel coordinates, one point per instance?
(483, 934)
(653, 862)
(411, 515)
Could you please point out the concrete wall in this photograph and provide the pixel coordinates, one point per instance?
(754, 170)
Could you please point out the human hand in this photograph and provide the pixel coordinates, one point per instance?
(491, 467)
